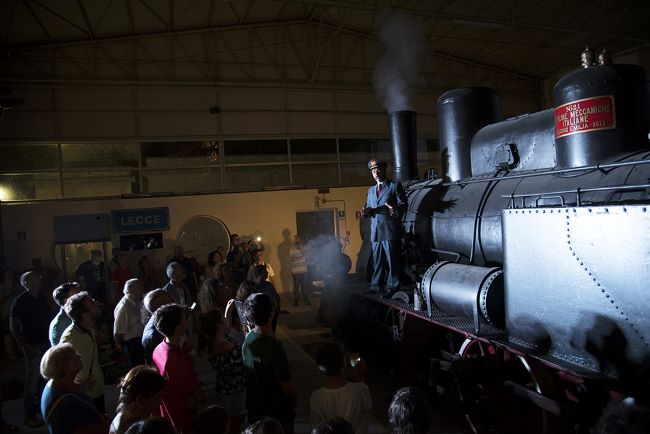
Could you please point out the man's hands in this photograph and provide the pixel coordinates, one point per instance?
(369, 212)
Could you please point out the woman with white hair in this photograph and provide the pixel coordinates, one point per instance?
(65, 407)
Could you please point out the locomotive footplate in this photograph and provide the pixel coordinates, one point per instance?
(487, 333)
(461, 325)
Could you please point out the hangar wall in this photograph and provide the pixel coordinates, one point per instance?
(27, 229)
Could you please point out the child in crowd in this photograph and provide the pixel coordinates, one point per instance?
(409, 413)
(338, 397)
(224, 353)
(238, 326)
(269, 387)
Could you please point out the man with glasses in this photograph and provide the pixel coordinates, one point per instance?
(84, 311)
(61, 321)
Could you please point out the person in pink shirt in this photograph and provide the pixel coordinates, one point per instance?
(183, 393)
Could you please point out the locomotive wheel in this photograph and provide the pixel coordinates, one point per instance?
(502, 392)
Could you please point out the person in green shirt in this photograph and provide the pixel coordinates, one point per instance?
(269, 389)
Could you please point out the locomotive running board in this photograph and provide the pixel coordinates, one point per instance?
(461, 325)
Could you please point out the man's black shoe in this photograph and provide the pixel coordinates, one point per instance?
(373, 290)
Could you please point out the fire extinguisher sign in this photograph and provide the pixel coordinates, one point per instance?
(589, 114)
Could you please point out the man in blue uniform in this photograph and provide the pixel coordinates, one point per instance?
(385, 203)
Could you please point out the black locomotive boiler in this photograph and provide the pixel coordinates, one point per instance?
(534, 248)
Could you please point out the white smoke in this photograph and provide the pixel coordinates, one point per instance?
(396, 73)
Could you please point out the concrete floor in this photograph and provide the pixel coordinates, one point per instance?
(300, 335)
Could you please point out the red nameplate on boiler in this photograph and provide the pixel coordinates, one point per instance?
(589, 114)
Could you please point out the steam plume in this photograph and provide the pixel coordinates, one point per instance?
(396, 73)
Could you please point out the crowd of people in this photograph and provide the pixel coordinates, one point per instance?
(227, 312)
(229, 316)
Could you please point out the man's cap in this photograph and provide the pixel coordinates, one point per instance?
(375, 162)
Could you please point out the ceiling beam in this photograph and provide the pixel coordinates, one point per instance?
(129, 13)
(155, 14)
(437, 53)
(160, 63)
(187, 8)
(144, 35)
(471, 18)
(61, 17)
(85, 15)
(321, 50)
(272, 59)
(296, 51)
(233, 53)
(10, 24)
(265, 84)
(75, 63)
(103, 14)
(38, 21)
(116, 62)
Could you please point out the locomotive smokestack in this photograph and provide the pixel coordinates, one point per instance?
(395, 78)
(461, 113)
(403, 133)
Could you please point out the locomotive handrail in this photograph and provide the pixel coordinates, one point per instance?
(578, 191)
(447, 252)
(544, 173)
(547, 196)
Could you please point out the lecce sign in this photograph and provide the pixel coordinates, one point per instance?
(140, 220)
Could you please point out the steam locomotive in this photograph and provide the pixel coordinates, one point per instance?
(535, 246)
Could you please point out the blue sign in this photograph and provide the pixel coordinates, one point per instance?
(140, 220)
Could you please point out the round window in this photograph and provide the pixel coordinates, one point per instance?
(201, 235)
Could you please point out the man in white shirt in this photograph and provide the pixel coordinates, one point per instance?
(338, 397)
(128, 326)
(299, 272)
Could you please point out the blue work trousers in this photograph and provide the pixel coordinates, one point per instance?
(386, 264)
